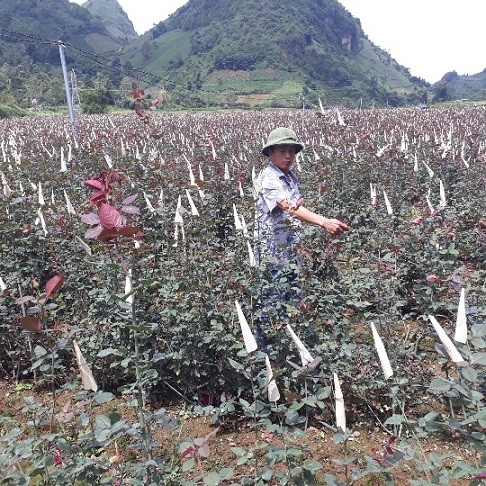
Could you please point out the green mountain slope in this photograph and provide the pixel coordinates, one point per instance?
(36, 20)
(29, 50)
(113, 17)
(259, 52)
(452, 86)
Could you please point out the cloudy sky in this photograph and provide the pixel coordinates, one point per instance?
(430, 37)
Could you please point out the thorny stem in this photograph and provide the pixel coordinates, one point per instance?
(306, 406)
(282, 438)
(254, 393)
(91, 424)
(29, 340)
(379, 421)
(450, 399)
(138, 375)
(419, 444)
(53, 409)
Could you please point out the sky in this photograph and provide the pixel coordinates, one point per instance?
(430, 37)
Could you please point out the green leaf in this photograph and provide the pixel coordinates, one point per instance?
(312, 465)
(104, 397)
(212, 479)
(469, 374)
(226, 473)
(478, 358)
(238, 451)
(237, 366)
(102, 422)
(188, 465)
(395, 420)
(108, 352)
(439, 385)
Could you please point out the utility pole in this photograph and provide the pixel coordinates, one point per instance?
(68, 93)
(75, 100)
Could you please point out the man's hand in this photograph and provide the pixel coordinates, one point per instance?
(333, 226)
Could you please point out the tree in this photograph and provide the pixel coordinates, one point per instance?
(441, 92)
(95, 100)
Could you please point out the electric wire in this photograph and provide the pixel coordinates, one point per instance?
(98, 59)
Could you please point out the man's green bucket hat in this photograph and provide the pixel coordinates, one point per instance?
(282, 136)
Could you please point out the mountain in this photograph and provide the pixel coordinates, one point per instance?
(271, 53)
(31, 24)
(113, 17)
(452, 86)
(30, 31)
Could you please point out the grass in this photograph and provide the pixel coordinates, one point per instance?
(171, 46)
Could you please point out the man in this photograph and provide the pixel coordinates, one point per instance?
(280, 210)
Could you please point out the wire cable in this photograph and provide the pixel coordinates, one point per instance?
(14, 36)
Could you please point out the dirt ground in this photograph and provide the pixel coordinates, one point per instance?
(212, 447)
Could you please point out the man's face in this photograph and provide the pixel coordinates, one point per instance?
(282, 156)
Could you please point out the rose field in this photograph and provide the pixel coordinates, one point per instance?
(128, 292)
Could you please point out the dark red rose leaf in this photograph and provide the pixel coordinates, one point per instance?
(98, 196)
(24, 299)
(389, 444)
(110, 217)
(129, 199)
(90, 218)
(140, 112)
(108, 234)
(94, 184)
(207, 398)
(93, 232)
(130, 231)
(53, 285)
(58, 457)
(481, 475)
(31, 323)
(189, 452)
(394, 248)
(130, 209)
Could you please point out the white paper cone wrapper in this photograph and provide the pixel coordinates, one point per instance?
(461, 322)
(389, 209)
(251, 255)
(42, 201)
(273, 393)
(89, 382)
(452, 351)
(248, 337)
(194, 210)
(128, 286)
(69, 206)
(340, 412)
(380, 348)
(236, 218)
(443, 200)
(148, 203)
(305, 356)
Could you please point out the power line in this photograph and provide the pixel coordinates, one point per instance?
(29, 38)
(98, 59)
(121, 68)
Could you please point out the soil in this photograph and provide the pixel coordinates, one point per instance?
(194, 436)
